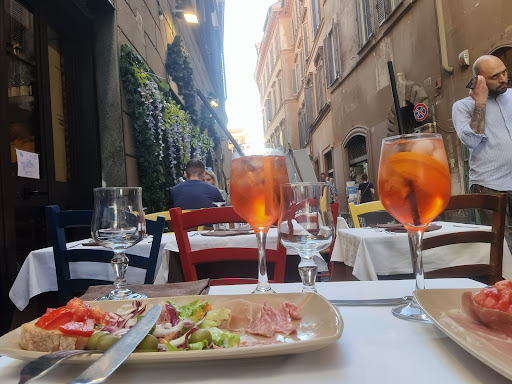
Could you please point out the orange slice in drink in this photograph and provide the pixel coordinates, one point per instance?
(422, 169)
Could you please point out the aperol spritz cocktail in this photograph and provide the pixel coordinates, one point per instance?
(414, 187)
(255, 195)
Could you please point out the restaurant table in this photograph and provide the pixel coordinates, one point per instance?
(37, 274)
(373, 251)
(375, 347)
(170, 270)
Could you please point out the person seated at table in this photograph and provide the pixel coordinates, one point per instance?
(211, 178)
(194, 193)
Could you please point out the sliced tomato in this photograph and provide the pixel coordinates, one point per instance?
(100, 316)
(77, 328)
(54, 318)
(81, 310)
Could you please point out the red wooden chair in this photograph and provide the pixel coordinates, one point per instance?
(190, 259)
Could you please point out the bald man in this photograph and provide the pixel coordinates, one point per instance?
(484, 124)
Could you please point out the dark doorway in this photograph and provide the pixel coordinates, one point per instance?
(47, 108)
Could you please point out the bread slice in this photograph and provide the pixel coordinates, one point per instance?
(33, 338)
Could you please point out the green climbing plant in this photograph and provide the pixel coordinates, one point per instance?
(165, 139)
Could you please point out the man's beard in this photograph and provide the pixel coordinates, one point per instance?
(498, 91)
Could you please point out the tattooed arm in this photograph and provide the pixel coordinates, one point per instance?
(477, 123)
(479, 94)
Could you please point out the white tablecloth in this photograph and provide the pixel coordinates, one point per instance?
(375, 347)
(37, 274)
(198, 241)
(373, 252)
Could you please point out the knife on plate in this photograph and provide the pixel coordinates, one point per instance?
(372, 302)
(119, 352)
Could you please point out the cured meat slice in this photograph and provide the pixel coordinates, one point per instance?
(270, 321)
(242, 314)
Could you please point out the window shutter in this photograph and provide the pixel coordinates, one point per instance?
(301, 64)
(368, 18)
(268, 109)
(280, 91)
(294, 82)
(308, 98)
(336, 50)
(313, 18)
(305, 37)
(271, 57)
(274, 99)
(381, 12)
(317, 13)
(276, 43)
(328, 58)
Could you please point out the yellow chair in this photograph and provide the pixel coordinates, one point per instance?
(356, 210)
(153, 216)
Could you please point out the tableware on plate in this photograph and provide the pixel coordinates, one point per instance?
(118, 223)
(113, 357)
(414, 187)
(306, 225)
(371, 302)
(309, 337)
(254, 189)
(444, 307)
(44, 364)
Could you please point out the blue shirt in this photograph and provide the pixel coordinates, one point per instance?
(490, 153)
(195, 194)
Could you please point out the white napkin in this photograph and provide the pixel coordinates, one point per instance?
(342, 223)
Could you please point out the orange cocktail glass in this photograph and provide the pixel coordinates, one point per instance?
(255, 195)
(414, 187)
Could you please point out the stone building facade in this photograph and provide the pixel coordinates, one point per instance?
(349, 44)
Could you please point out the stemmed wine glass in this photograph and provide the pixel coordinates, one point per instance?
(414, 187)
(118, 223)
(254, 186)
(306, 225)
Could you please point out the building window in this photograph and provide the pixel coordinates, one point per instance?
(332, 57)
(274, 98)
(268, 108)
(271, 57)
(276, 43)
(320, 83)
(268, 70)
(365, 21)
(309, 101)
(294, 81)
(280, 91)
(305, 38)
(303, 129)
(385, 8)
(315, 17)
(301, 64)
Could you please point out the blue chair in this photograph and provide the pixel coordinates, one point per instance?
(59, 220)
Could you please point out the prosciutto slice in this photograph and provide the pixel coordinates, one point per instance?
(271, 321)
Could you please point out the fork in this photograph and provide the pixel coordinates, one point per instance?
(44, 364)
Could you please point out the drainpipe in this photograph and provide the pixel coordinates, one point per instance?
(442, 36)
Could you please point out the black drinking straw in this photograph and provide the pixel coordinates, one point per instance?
(396, 101)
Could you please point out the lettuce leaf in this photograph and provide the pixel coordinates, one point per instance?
(215, 317)
(198, 346)
(223, 338)
(193, 310)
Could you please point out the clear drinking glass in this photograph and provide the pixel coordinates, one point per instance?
(306, 225)
(219, 226)
(118, 223)
(414, 187)
(254, 189)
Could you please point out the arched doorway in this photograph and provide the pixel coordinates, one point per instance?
(505, 55)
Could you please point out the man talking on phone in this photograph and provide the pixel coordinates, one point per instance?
(484, 124)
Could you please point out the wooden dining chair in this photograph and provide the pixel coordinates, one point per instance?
(191, 259)
(360, 209)
(334, 210)
(154, 216)
(59, 221)
(487, 273)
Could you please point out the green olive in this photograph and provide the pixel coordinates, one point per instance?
(106, 341)
(92, 342)
(200, 335)
(148, 344)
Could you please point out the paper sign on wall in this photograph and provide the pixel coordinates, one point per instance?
(28, 164)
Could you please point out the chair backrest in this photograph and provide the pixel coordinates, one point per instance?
(488, 273)
(59, 220)
(356, 210)
(154, 216)
(190, 259)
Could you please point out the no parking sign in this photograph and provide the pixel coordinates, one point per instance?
(420, 112)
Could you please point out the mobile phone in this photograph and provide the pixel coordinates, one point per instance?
(472, 83)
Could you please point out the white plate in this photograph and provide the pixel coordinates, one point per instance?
(495, 351)
(321, 325)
